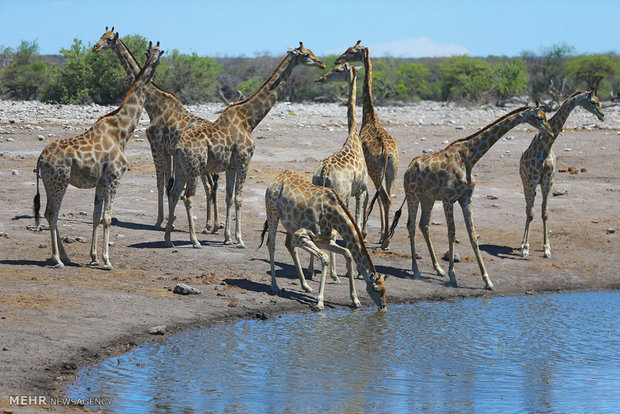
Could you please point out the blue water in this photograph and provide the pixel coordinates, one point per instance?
(541, 353)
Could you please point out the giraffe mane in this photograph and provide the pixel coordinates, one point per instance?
(357, 230)
(523, 108)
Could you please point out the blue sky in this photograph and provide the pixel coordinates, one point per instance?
(405, 28)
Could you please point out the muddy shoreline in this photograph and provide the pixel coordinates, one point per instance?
(57, 321)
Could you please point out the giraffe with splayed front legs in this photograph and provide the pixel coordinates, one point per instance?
(168, 119)
(447, 176)
(380, 148)
(311, 214)
(345, 171)
(537, 165)
(227, 145)
(95, 158)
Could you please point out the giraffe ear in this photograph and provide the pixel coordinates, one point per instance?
(112, 28)
(358, 43)
(358, 68)
(106, 28)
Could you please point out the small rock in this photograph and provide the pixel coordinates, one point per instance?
(427, 151)
(584, 170)
(509, 138)
(459, 127)
(80, 239)
(436, 223)
(457, 256)
(260, 314)
(611, 230)
(595, 221)
(233, 303)
(567, 150)
(561, 192)
(40, 137)
(15, 172)
(4, 234)
(158, 330)
(70, 366)
(423, 139)
(42, 246)
(82, 213)
(183, 289)
(68, 239)
(490, 197)
(445, 142)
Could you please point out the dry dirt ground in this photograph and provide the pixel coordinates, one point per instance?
(55, 321)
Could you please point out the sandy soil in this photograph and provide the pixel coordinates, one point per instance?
(55, 321)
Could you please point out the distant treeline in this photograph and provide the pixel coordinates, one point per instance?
(79, 76)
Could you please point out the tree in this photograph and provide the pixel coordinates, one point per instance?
(548, 71)
(411, 80)
(510, 78)
(591, 70)
(464, 77)
(26, 74)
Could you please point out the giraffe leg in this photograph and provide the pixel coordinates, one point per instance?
(173, 198)
(364, 228)
(190, 190)
(303, 239)
(216, 217)
(162, 168)
(310, 271)
(239, 184)
(425, 218)
(293, 252)
(390, 175)
(448, 209)
(385, 224)
(412, 208)
(471, 230)
(334, 248)
(107, 219)
(272, 220)
(545, 187)
(97, 212)
(52, 208)
(210, 186)
(529, 190)
(230, 188)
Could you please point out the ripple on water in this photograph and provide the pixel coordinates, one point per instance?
(556, 352)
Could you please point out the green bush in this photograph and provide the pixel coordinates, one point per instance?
(589, 71)
(465, 78)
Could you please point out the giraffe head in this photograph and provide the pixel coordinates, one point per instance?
(342, 73)
(536, 117)
(305, 56)
(375, 287)
(591, 103)
(107, 40)
(355, 53)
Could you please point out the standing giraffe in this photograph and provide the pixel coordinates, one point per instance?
(447, 176)
(311, 214)
(537, 164)
(380, 149)
(227, 145)
(168, 119)
(345, 170)
(95, 158)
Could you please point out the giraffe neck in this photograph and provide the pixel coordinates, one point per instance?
(257, 106)
(368, 107)
(128, 114)
(557, 121)
(353, 240)
(351, 108)
(128, 61)
(475, 146)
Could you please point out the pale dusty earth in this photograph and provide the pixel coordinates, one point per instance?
(56, 321)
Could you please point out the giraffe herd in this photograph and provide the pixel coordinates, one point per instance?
(185, 147)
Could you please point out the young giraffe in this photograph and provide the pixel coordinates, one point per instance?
(227, 145)
(95, 158)
(168, 118)
(345, 170)
(447, 176)
(537, 164)
(380, 149)
(311, 214)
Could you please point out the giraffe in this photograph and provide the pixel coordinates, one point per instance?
(168, 118)
(227, 145)
(311, 214)
(380, 148)
(537, 165)
(345, 170)
(95, 158)
(447, 176)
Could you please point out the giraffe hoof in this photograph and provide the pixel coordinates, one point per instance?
(59, 266)
(197, 245)
(94, 263)
(356, 304)
(206, 230)
(336, 280)
(308, 289)
(108, 267)
(241, 245)
(227, 242)
(489, 287)
(547, 255)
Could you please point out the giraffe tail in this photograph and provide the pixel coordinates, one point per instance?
(262, 236)
(36, 204)
(396, 218)
(323, 179)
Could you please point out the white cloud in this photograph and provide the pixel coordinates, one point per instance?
(419, 47)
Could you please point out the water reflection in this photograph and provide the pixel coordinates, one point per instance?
(543, 353)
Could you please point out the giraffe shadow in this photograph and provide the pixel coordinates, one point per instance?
(252, 286)
(503, 252)
(160, 244)
(40, 263)
(134, 226)
(23, 217)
